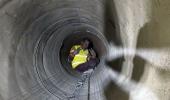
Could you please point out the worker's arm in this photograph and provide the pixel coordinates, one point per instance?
(92, 54)
(73, 52)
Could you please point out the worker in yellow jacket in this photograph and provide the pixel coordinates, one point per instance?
(82, 58)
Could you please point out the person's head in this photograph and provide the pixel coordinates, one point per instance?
(85, 43)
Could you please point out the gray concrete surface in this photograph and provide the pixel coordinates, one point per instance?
(29, 42)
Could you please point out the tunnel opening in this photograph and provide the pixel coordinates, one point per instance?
(74, 39)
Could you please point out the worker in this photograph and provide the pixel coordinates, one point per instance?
(82, 58)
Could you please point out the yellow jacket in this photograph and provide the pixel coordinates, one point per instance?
(79, 58)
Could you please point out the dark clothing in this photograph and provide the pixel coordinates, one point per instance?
(91, 64)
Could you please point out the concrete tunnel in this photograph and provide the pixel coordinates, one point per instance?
(35, 36)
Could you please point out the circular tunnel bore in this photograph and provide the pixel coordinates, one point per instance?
(39, 66)
(38, 53)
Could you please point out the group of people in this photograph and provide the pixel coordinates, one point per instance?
(82, 57)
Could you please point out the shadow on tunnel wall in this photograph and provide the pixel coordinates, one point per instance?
(153, 35)
(112, 32)
(111, 25)
(112, 91)
(138, 70)
(139, 63)
(150, 37)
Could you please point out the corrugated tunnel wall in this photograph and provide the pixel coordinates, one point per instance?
(35, 34)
